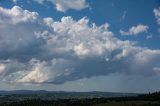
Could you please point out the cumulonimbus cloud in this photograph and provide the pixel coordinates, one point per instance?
(36, 50)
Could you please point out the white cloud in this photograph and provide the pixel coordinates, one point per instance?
(81, 50)
(157, 14)
(77, 37)
(64, 5)
(36, 50)
(2, 68)
(135, 30)
(36, 74)
(16, 15)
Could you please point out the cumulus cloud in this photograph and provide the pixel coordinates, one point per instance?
(135, 30)
(157, 14)
(36, 50)
(16, 15)
(64, 5)
(35, 75)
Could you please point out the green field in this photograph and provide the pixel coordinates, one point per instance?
(130, 103)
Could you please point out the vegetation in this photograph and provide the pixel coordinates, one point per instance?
(140, 100)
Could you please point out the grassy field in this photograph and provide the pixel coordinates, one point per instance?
(130, 103)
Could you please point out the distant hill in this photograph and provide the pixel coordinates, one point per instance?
(23, 92)
(63, 94)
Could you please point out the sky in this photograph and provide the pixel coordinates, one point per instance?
(80, 45)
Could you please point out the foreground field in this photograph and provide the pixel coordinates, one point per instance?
(130, 103)
(81, 103)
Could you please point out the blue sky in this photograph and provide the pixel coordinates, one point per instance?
(80, 45)
(119, 14)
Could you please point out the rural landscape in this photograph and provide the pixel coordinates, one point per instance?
(48, 98)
